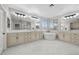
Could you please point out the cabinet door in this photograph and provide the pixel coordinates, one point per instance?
(29, 36)
(75, 38)
(20, 38)
(26, 37)
(36, 35)
(61, 35)
(33, 37)
(11, 39)
(67, 37)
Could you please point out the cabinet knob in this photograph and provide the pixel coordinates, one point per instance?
(16, 37)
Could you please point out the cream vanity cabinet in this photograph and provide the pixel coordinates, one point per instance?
(18, 38)
(26, 37)
(38, 35)
(14, 39)
(71, 37)
(65, 36)
(33, 36)
(22, 37)
(29, 36)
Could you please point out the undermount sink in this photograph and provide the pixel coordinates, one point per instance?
(49, 36)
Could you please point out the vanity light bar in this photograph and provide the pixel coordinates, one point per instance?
(34, 17)
(71, 16)
(20, 14)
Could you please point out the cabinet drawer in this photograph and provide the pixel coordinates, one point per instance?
(12, 34)
(74, 36)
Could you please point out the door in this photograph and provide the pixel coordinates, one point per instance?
(1, 31)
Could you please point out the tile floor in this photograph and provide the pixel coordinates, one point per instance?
(41, 47)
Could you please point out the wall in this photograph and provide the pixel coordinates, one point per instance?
(2, 28)
(5, 15)
(1, 31)
(64, 24)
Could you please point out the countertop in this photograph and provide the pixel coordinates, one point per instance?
(16, 31)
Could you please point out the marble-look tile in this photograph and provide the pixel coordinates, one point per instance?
(53, 47)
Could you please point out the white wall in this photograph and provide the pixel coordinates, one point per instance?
(4, 23)
(1, 31)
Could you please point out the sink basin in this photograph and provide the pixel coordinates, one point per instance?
(49, 36)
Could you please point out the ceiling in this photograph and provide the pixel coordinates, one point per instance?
(45, 10)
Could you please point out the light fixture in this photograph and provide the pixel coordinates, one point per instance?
(25, 16)
(14, 14)
(64, 18)
(77, 14)
(18, 15)
(51, 5)
(70, 16)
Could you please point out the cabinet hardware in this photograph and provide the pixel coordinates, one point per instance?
(3, 33)
(75, 34)
(16, 37)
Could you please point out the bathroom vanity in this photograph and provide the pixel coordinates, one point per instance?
(20, 37)
(69, 36)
